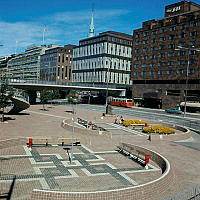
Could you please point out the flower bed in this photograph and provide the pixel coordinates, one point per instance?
(159, 130)
(135, 121)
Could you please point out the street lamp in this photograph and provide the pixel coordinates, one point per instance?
(187, 71)
(107, 86)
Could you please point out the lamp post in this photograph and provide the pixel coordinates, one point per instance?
(187, 71)
(106, 111)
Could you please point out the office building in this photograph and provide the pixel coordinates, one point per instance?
(102, 58)
(164, 50)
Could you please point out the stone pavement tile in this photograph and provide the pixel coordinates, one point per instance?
(85, 183)
(120, 161)
(18, 150)
(16, 166)
(144, 177)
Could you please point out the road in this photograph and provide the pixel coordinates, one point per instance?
(191, 120)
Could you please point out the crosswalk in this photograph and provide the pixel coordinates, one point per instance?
(112, 126)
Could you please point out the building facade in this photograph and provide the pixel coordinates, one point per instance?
(26, 65)
(56, 64)
(106, 57)
(3, 65)
(165, 60)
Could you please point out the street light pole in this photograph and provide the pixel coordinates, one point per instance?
(107, 86)
(187, 73)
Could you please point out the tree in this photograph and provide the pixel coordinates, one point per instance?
(45, 95)
(6, 94)
(55, 94)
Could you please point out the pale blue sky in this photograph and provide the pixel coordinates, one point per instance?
(67, 21)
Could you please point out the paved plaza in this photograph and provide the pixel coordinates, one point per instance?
(96, 164)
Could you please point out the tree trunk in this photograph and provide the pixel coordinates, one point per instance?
(2, 119)
(43, 107)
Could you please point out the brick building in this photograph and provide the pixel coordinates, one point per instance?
(163, 51)
(56, 64)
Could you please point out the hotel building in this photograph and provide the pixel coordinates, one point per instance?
(165, 57)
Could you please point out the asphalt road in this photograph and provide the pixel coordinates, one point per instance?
(190, 120)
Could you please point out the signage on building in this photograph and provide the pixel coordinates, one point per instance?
(173, 9)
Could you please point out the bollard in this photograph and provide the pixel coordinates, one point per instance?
(30, 142)
(147, 158)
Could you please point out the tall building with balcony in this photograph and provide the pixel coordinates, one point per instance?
(102, 58)
(162, 49)
(3, 65)
(26, 65)
(56, 64)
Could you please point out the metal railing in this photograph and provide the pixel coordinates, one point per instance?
(192, 194)
(62, 83)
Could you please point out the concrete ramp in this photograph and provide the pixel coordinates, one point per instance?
(19, 105)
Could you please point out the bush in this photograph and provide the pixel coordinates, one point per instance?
(159, 130)
(135, 121)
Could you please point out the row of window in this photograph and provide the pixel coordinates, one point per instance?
(108, 38)
(169, 63)
(101, 77)
(160, 72)
(163, 30)
(154, 56)
(95, 49)
(89, 64)
(165, 38)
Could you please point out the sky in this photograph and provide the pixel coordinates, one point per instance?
(22, 22)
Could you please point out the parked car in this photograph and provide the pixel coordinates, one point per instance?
(173, 111)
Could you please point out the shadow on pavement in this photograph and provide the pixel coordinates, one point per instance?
(8, 195)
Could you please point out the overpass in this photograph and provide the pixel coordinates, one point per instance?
(31, 86)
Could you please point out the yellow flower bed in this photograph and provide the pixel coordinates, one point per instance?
(158, 129)
(135, 121)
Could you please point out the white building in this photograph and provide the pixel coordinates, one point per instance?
(107, 55)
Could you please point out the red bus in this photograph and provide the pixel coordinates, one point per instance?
(122, 102)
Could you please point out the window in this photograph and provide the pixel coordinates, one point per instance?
(153, 40)
(162, 55)
(180, 71)
(145, 57)
(182, 27)
(193, 24)
(192, 52)
(192, 61)
(170, 72)
(171, 46)
(191, 71)
(154, 32)
(160, 72)
(181, 53)
(145, 49)
(194, 33)
(145, 34)
(171, 54)
(145, 42)
(172, 37)
(173, 28)
(182, 44)
(151, 73)
(160, 64)
(152, 56)
(143, 73)
(151, 64)
(162, 38)
(162, 47)
(192, 43)
(135, 73)
(181, 62)
(182, 35)
(170, 63)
